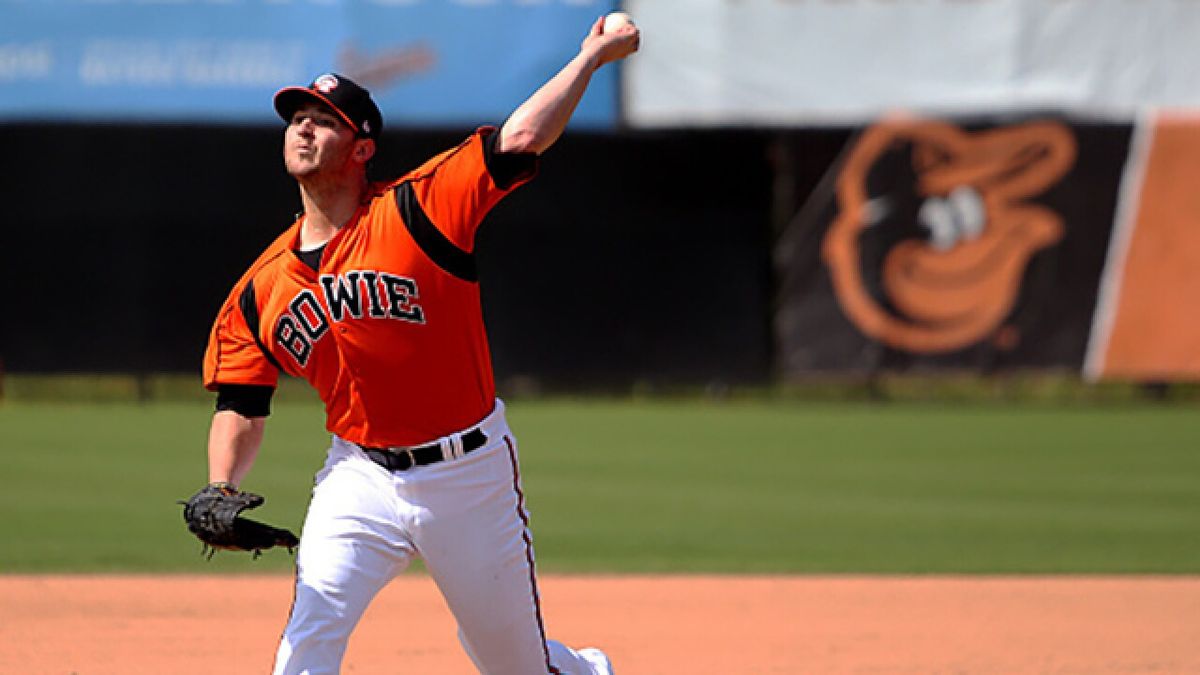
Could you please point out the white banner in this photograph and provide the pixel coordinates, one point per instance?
(794, 62)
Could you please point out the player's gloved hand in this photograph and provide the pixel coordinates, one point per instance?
(212, 515)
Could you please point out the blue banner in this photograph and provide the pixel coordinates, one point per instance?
(427, 62)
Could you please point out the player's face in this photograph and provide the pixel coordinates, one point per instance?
(317, 141)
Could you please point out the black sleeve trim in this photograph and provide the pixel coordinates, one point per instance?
(507, 168)
(440, 250)
(247, 400)
(248, 303)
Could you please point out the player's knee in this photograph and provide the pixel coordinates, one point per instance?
(320, 608)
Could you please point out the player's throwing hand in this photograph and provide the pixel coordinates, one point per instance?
(613, 45)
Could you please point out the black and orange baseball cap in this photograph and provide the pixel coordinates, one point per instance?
(351, 102)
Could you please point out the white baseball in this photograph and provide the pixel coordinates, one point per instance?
(616, 20)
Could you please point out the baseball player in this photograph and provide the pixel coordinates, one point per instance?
(372, 296)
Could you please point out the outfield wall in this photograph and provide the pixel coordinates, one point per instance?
(736, 203)
(685, 257)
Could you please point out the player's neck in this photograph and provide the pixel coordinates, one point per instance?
(327, 208)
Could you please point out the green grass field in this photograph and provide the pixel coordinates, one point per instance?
(668, 486)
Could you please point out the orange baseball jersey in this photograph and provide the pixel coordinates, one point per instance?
(389, 328)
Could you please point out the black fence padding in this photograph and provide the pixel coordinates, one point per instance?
(633, 257)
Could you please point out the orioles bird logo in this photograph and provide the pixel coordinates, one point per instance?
(939, 219)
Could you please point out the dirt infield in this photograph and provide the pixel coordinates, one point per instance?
(182, 625)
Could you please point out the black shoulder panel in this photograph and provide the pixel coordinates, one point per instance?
(248, 303)
(440, 250)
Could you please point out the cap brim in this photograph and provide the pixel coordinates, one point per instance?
(289, 99)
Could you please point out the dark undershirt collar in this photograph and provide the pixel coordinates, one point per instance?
(311, 258)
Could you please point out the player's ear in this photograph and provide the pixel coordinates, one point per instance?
(364, 149)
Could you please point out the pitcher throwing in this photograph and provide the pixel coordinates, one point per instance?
(372, 297)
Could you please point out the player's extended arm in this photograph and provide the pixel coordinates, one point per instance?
(233, 443)
(538, 122)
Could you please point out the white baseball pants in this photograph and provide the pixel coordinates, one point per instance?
(465, 517)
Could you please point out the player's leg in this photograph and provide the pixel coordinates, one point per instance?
(584, 661)
(477, 547)
(349, 550)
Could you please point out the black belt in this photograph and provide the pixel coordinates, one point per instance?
(403, 459)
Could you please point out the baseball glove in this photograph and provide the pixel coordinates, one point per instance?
(212, 514)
